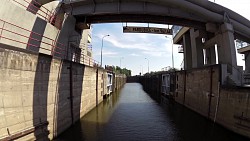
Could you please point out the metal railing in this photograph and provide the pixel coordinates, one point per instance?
(54, 48)
(35, 8)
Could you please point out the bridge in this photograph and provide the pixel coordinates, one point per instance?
(214, 23)
(46, 56)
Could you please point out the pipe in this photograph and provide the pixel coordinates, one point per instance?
(211, 91)
(184, 92)
(210, 11)
(71, 91)
(220, 9)
(217, 104)
(198, 8)
(96, 86)
(24, 132)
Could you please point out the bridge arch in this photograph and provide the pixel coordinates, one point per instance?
(207, 20)
(189, 13)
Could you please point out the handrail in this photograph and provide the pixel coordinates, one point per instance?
(56, 48)
(3, 28)
(49, 15)
(45, 17)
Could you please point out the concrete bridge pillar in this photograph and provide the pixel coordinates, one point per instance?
(187, 51)
(226, 47)
(210, 56)
(247, 62)
(197, 48)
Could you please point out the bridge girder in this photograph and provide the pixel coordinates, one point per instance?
(186, 13)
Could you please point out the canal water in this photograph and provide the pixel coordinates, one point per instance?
(131, 115)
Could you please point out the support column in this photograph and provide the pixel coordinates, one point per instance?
(247, 62)
(210, 56)
(226, 47)
(187, 51)
(197, 49)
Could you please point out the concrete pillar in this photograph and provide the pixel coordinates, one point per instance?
(226, 47)
(247, 62)
(210, 56)
(213, 55)
(187, 51)
(197, 49)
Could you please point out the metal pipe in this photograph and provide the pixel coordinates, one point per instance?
(210, 92)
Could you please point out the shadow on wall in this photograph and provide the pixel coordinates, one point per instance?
(68, 98)
(40, 96)
(65, 37)
(35, 38)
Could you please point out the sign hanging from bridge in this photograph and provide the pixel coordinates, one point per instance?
(133, 29)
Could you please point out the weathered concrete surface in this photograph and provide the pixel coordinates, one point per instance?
(200, 90)
(37, 90)
(152, 85)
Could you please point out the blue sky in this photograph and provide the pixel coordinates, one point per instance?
(131, 49)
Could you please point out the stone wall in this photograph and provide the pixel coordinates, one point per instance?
(41, 96)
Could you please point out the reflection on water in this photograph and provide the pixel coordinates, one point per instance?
(132, 115)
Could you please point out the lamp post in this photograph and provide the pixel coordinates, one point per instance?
(172, 51)
(121, 62)
(148, 64)
(102, 46)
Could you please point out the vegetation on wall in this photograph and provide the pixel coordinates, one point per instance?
(119, 70)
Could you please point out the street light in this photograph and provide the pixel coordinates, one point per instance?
(172, 51)
(102, 46)
(148, 64)
(121, 62)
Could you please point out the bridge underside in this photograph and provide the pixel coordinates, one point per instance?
(112, 18)
(210, 25)
(190, 13)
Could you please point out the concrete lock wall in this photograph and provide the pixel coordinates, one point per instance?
(152, 85)
(200, 90)
(41, 96)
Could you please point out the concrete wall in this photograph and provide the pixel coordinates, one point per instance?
(200, 90)
(24, 25)
(118, 81)
(152, 85)
(41, 96)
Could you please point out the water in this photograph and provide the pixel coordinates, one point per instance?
(132, 115)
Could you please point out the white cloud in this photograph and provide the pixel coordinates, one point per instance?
(140, 42)
(107, 53)
(156, 54)
(134, 54)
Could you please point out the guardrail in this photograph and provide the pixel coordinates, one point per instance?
(34, 7)
(54, 48)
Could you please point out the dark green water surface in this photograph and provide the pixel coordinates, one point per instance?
(131, 115)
